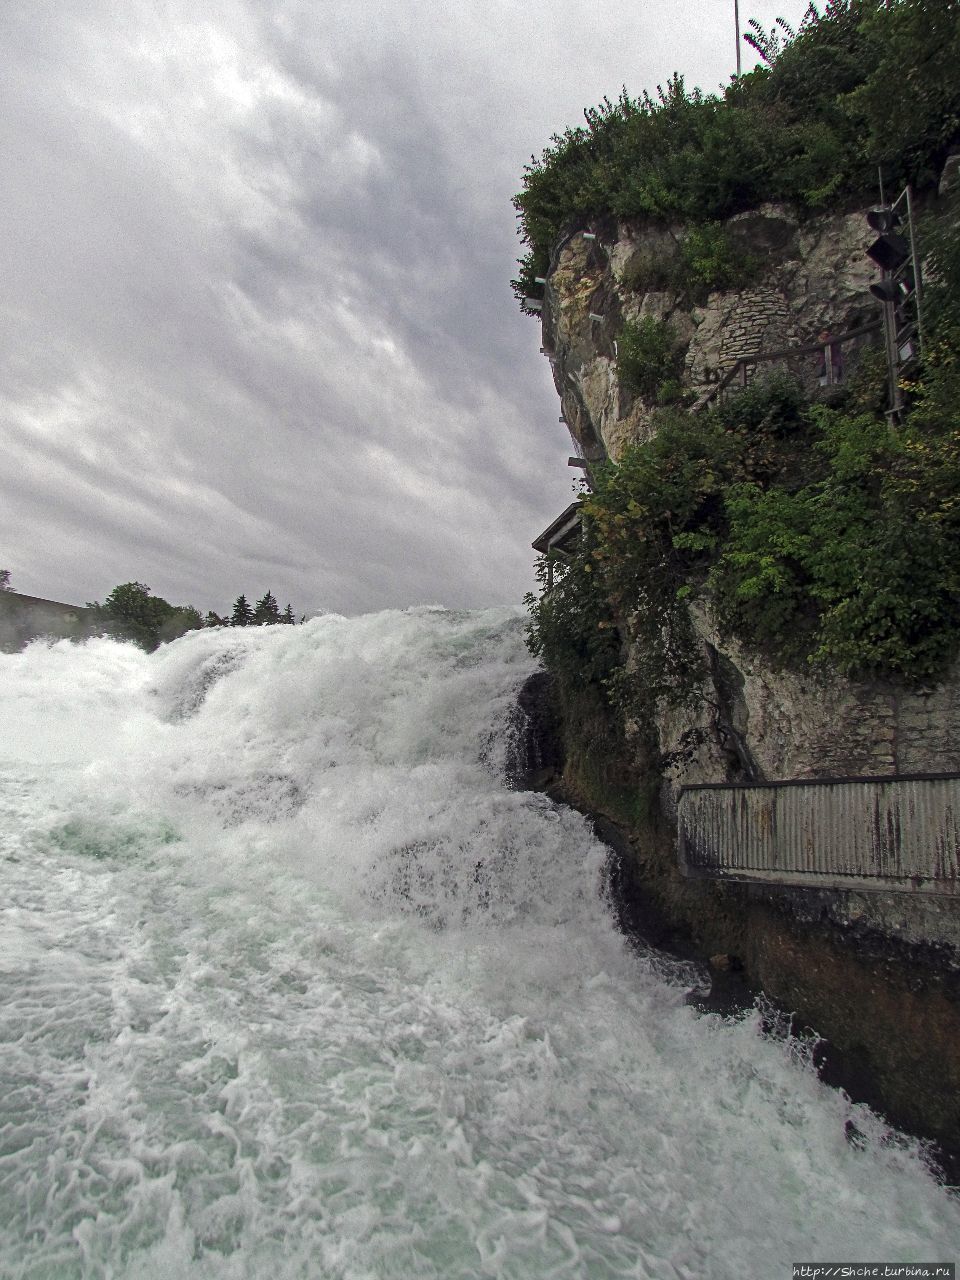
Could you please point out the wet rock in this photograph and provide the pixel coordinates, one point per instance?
(535, 755)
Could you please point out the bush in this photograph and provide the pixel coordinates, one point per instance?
(821, 537)
(149, 620)
(649, 356)
(859, 86)
(711, 260)
(572, 627)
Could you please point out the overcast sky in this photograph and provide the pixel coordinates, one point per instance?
(256, 328)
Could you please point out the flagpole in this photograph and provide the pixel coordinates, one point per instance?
(736, 25)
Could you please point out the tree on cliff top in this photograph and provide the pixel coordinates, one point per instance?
(5, 580)
(860, 84)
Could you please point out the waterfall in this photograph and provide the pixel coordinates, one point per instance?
(293, 985)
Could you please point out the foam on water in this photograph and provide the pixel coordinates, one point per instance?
(292, 986)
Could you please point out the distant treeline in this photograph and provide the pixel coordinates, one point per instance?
(150, 620)
(132, 611)
(265, 612)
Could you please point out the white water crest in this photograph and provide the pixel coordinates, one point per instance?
(292, 985)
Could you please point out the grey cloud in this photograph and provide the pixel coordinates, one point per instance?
(256, 328)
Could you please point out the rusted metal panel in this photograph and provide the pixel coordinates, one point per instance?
(900, 833)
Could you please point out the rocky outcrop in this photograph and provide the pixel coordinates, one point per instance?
(874, 978)
(877, 973)
(808, 279)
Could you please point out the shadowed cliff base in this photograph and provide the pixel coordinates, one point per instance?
(884, 1012)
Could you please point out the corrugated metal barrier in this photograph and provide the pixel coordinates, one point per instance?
(898, 833)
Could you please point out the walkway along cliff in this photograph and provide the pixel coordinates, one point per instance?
(871, 962)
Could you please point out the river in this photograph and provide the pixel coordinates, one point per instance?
(292, 985)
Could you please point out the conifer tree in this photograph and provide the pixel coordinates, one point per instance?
(288, 616)
(242, 615)
(267, 610)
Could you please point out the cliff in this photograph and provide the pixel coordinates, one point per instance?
(808, 278)
(877, 974)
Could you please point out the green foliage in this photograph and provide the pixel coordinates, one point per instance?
(649, 356)
(242, 615)
(266, 611)
(770, 44)
(706, 258)
(179, 621)
(572, 627)
(535, 264)
(711, 259)
(820, 536)
(856, 570)
(647, 526)
(910, 101)
(858, 85)
(133, 611)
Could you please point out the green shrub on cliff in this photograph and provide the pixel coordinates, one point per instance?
(863, 84)
(817, 535)
(649, 356)
(859, 570)
(711, 260)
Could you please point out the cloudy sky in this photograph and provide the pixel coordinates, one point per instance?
(256, 329)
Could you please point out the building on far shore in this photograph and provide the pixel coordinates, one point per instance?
(26, 618)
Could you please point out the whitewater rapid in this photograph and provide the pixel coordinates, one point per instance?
(292, 985)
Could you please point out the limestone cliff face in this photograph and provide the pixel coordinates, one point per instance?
(753, 721)
(818, 952)
(808, 279)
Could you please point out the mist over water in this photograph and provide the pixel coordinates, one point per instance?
(291, 985)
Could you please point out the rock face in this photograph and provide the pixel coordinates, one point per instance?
(862, 968)
(808, 279)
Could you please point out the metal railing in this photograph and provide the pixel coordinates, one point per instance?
(899, 833)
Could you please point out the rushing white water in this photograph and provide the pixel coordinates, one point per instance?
(293, 986)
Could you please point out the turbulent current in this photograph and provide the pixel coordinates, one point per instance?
(292, 985)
